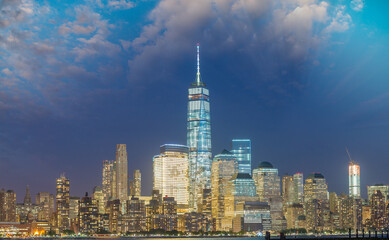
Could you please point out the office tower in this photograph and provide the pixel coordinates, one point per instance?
(195, 222)
(267, 181)
(98, 196)
(88, 215)
(27, 212)
(198, 139)
(62, 203)
(315, 187)
(206, 207)
(114, 208)
(108, 180)
(298, 179)
(315, 201)
(161, 213)
(121, 173)
(252, 216)
(241, 148)
(354, 180)
(170, 170)
(384, 189)
(269, 190)
(136, 211)
(224, 167)
(74, 208)
(46, 201)
(357, 214)
(27, 197)
(346, 211)
(293, 212)
(378, 218)
(136, 184)
(7, 206)
(243, 188)
(288, 193)
(333, 202)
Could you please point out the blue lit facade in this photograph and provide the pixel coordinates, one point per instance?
(198, 140)
(241, 148)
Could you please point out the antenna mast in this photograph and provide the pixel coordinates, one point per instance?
(198, 64)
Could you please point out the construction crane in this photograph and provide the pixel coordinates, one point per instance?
(349, 156)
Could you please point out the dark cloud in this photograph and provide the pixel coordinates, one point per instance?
(265, 42)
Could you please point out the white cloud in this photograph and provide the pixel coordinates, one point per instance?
(340, 23)
(120, 4)
(357, 5)
(6, 71)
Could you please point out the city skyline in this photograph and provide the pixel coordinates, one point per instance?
(299, 115)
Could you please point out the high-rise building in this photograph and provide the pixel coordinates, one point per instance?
(27, 212)
(198, 139)
(384, 189)
(88, 215)
(269, 190)
(108, 180)
(288, 195)
(224, 167)
(315, 187)
(378, 217)
(293, 212)
(136, 213)
(316, 202)
(170, 170)
(98, 196)
(121, 173)
(62, 197)
(74, 208)
(354, 180)
(27, 197)
(241, 148)
(267, 181)
(46, 201)
(7, 206)
(136, 184)
(298, 179)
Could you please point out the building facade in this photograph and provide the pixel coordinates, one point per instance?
(241, 148)
(62, 200)
(121, 173)
(170, 170)
(198, 139)
(354, 180)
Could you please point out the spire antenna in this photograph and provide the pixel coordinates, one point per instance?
(198, 64)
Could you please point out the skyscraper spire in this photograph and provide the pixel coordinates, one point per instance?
(198, 65)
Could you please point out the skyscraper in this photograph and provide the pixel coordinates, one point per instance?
(269, 190)
(288, 195)
(241, 148)
(298, 179)
(7, 206)
(384, 189)
(198, 139)
(136, 184)
(63, 203)
(354, 180)
(224, 167)
(121, 173)
(170, 170)
(108, 179)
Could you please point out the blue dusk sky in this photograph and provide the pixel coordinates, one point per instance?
(303, 79)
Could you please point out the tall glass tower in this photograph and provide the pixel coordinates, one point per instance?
(198, 139)
(241, 148)
(354, 180)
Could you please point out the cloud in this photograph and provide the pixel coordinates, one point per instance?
(340, 23)
(357, 5)
(6, 71)
(264, 42)
(120, 4)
